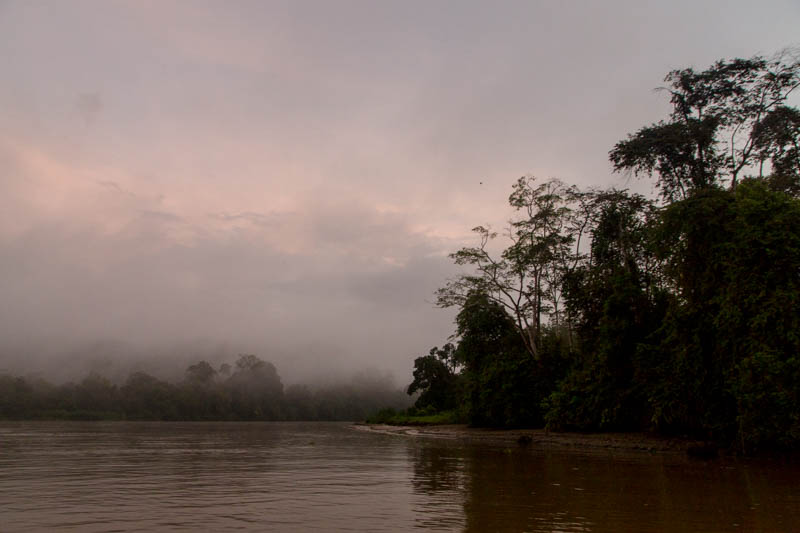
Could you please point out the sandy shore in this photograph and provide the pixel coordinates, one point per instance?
(538, 438)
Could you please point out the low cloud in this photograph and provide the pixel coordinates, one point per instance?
(327, 288)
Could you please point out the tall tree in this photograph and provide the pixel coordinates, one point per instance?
(777, 140)
(716, 129)
(498, 375)
(525, 279)
(435, 378)
(201, 373)
(615, 300)
(256, 388)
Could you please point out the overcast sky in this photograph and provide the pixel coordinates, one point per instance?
(286, 179)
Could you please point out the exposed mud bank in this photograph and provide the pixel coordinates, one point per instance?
(539, 438)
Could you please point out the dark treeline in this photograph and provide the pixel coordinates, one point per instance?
(611, 311)
(250, 390)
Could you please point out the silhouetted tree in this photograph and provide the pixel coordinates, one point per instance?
(435, 379)
(721, 124)
(526, 278)
(256, 389)
(201, 373)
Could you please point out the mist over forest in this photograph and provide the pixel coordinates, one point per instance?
(248, 388)
(287, 179)
(296, 182)
(311, 364)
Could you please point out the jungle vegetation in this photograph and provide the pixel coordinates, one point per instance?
(606, 310)
(251, 389)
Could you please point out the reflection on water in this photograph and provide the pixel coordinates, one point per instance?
(524, 490)
(299, 477)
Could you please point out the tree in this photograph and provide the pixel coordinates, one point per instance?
(147, 397)
(525, 279)
(435, 379)
(500, 379)
(201, 373)
(615, 298)
(256, 389)
(717, 128)
(777, 139)
(96, 393)
(728, 345)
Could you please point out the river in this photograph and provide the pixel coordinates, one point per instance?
(151, 476)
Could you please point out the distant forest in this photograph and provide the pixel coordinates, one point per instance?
(250, 390)
(607, 310)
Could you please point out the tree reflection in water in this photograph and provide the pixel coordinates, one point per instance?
(478, 489)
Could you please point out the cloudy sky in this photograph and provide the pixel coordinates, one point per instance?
(287, 179)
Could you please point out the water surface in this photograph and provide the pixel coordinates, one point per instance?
(150, 476)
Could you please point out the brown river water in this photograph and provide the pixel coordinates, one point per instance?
(151, 476)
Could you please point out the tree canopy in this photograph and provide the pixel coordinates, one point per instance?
(609, 310)
(726, 120)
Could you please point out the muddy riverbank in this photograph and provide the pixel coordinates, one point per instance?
(540, 438)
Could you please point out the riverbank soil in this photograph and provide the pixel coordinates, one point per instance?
(539, 438)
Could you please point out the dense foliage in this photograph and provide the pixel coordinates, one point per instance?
(611, 311)
(251, 391)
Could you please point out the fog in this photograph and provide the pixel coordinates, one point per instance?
(194, 180)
